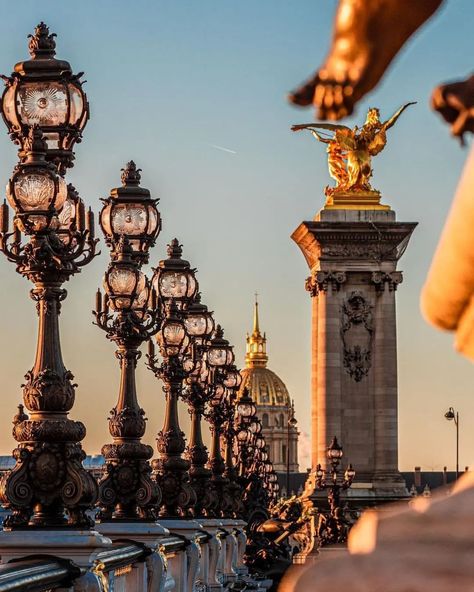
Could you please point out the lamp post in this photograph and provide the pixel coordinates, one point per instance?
(45, 110)
(332, 529)
(199, 325)
(452, 415)
(290, 426)
(176, 285)
(48, 477)
(129, 315)
(231, 382)
(219, 357)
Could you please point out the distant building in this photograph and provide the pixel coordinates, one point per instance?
(274, 405)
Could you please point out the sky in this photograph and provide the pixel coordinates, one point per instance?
(194, 92)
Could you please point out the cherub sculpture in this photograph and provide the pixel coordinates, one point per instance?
(350, 151)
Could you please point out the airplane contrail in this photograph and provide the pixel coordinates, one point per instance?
(217, 147)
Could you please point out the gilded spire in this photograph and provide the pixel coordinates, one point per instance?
(256, 355)
(256, 326)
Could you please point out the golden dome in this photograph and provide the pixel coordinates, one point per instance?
(265, 387)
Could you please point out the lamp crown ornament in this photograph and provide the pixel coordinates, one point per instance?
(124, 249)
(42, 43)
(174, 249)
(131, 175)
(35, 142)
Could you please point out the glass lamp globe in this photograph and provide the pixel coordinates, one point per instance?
(198, 320)
(334, 451)
(350, 473)
(131, 212)
(244, 409)
(174, 278)
(43, 91)
(233, 379)
(219, 352)
(319, 472)
(172, 337)
(255, 427)
(35, 191)
(125, 286)
(242, 435)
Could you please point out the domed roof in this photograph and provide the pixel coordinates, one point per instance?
(265, 387)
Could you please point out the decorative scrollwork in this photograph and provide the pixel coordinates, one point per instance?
(381, 280)
(48, 390)
(320, 281)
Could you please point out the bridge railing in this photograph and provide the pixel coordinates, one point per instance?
(204, 563)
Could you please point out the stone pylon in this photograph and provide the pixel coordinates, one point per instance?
(352, 255)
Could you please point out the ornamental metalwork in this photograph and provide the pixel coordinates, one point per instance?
(48, 485)
(129, 316)
(43, 91)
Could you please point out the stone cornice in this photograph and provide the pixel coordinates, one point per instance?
(379, 241)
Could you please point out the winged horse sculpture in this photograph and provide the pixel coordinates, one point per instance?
(350, 151)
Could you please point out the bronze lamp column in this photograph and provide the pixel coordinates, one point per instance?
(171, 470)
(219, 357)
(199, 325)
(48, 478)
(128, 314)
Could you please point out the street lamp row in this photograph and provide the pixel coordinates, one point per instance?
(46, 110)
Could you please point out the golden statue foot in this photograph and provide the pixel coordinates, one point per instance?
(455, 103)
(367, 35)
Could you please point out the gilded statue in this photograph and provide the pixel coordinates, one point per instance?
(350, 151)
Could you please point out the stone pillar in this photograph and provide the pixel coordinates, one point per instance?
(352, 255)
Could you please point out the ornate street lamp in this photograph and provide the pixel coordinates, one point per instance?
(219, 356)
(171, 469)
(232, 382)
(131, 212)
(290, 427)
(334, 528)
(250, 446)
(199, 324)
(129, 316)
(48, 479)
(43, 91)
(220, 353)
(452, 415)
(174, 278)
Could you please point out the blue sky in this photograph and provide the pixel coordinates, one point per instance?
(169, 81)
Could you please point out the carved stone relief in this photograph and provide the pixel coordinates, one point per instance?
(356, 334)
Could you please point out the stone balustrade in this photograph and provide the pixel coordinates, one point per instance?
(207, 558)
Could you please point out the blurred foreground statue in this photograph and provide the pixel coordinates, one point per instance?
(367, 35)
(447, 299)
(427, 547)
(350, 153)
(455, 103)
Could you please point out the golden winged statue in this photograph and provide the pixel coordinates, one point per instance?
(350, 151)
